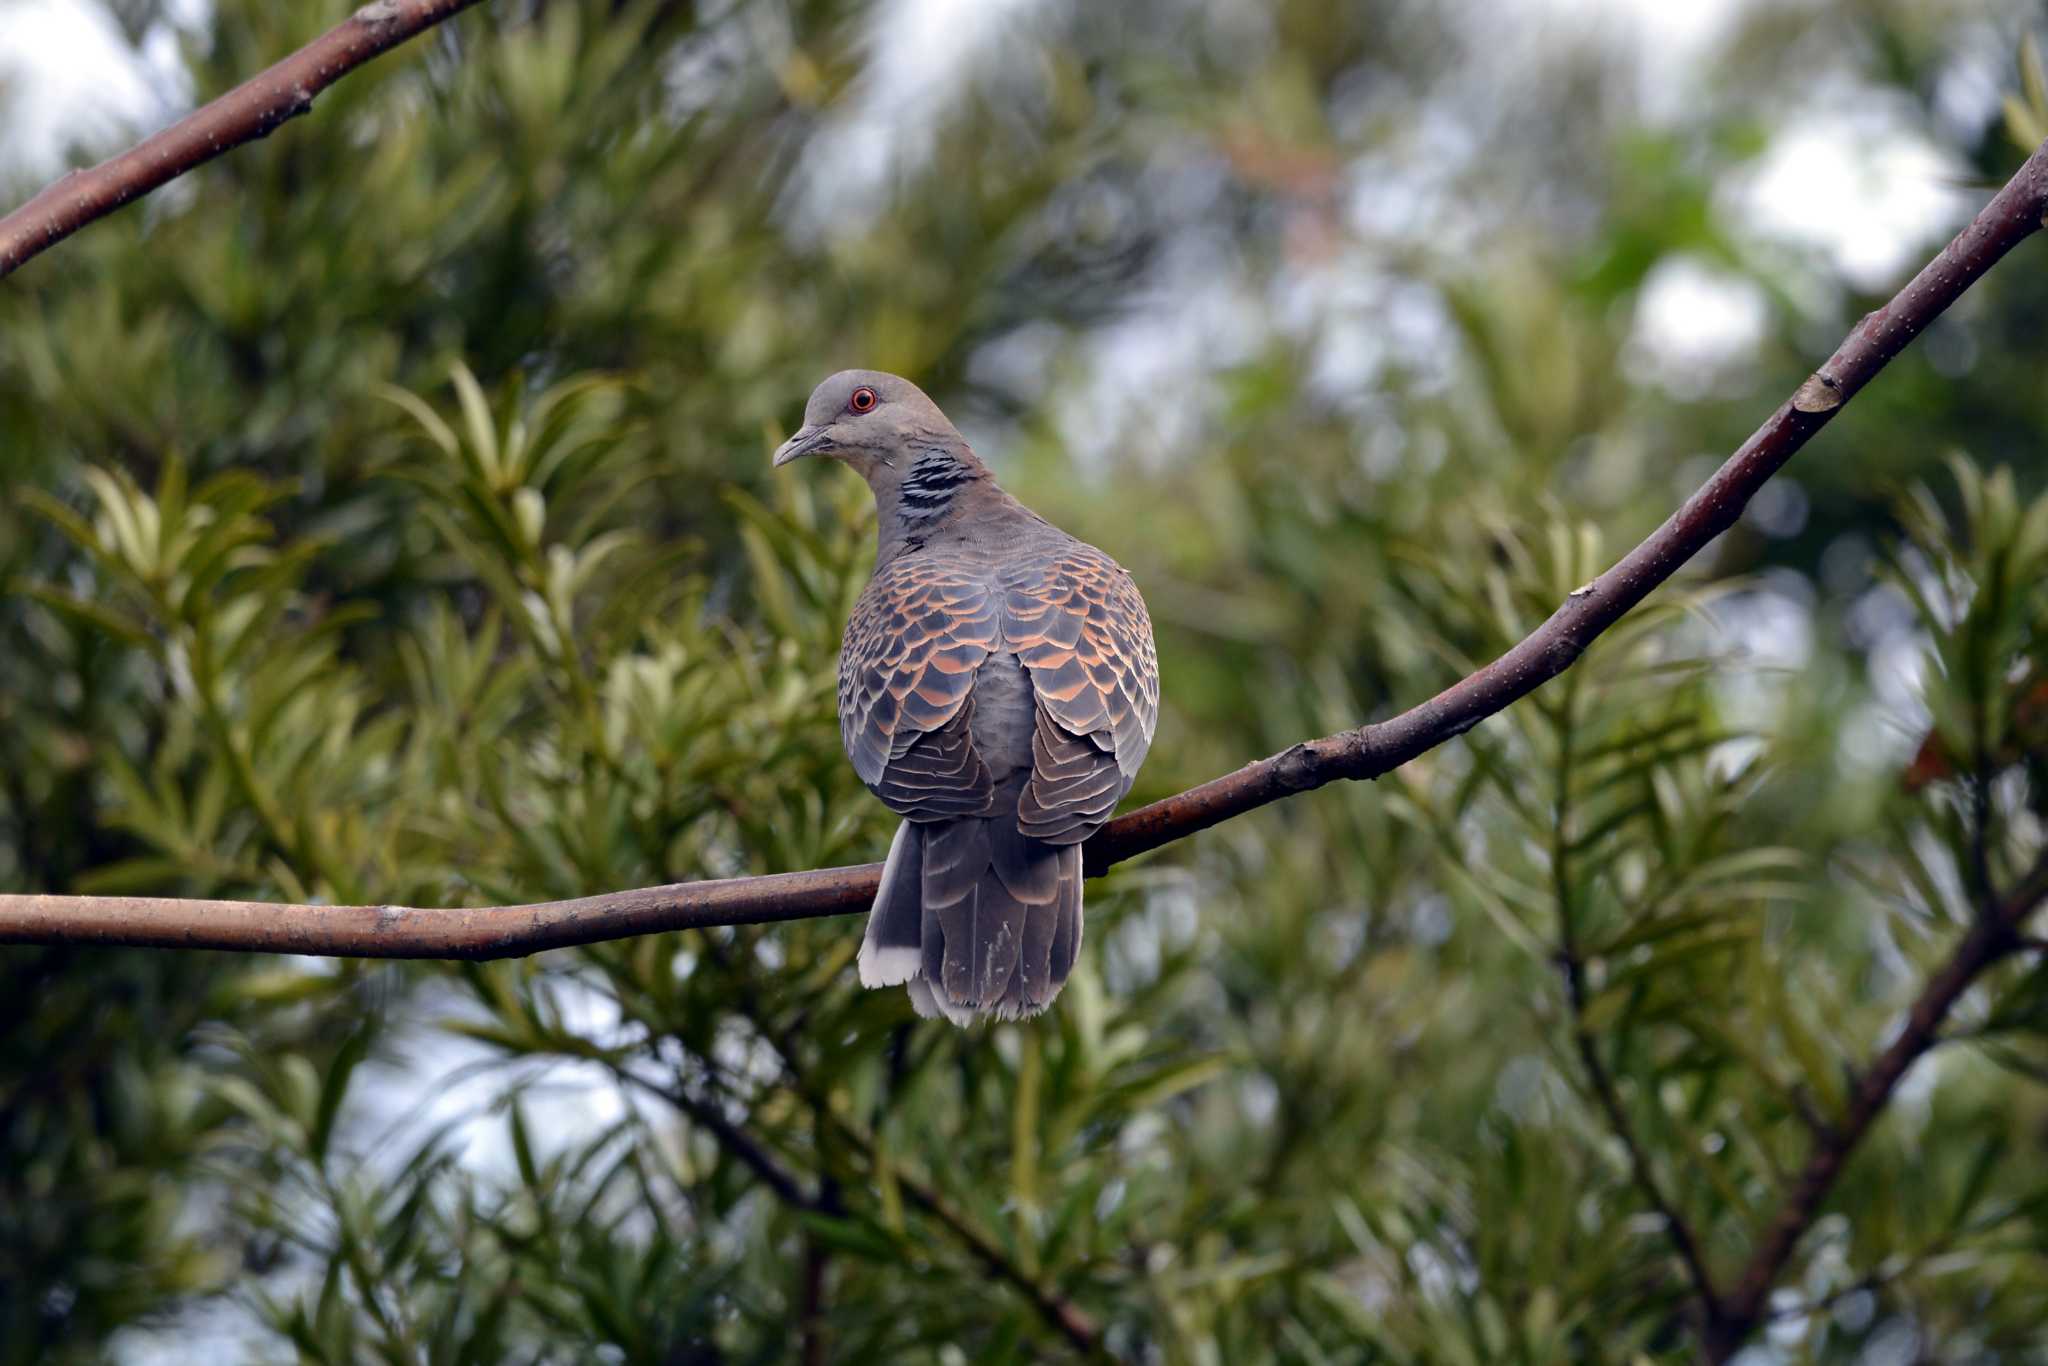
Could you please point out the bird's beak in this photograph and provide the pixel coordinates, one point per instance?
(808, 441)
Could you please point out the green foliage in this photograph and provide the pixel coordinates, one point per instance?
(389, 521)
(2026, 113)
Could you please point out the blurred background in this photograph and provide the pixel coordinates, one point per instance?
(389, 518)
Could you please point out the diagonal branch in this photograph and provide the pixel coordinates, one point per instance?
(1571, 961)
(2014, 214)
(1073, 1323)
(1065, 1317)
(742, 1147)
(252, 110)
(1994, 937)
(1683, 1240)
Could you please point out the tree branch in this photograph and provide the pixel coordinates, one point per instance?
(1065, 1317)
(1994, 937)
(1571, 962)
(1072, 1322)
(2014, 213)
(1683, 1240)
(744, 1148)
(251, 110)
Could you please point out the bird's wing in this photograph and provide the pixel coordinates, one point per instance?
(939, 776)
(920, 630)
(1077, 623)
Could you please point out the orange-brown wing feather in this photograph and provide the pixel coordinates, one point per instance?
(920, 630)
(1077, 623)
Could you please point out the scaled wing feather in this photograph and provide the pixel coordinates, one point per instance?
(1077, 623)
(920, 630)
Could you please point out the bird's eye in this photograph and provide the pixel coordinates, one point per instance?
(863, 400)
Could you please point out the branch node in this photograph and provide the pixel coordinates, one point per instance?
(1822, 393)
(1564, 651)
(1296, 768)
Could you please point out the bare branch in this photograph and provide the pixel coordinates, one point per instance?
(2015, 213)
(1367, 752)
(2012, 215)
(420, 932)
(1993, 938)
(251, 110)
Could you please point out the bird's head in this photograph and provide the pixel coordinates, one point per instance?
(870, 420)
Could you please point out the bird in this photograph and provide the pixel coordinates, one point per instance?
(998, 690)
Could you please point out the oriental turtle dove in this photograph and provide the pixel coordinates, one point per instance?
(997, 689)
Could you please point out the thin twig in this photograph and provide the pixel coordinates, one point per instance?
(736, 1141)
(813, 1308)
(1683, 1241)
(1068, 1319)
(1866, 1284)
(1994, 937)
(1981, 886)
(253, 109)
(2014, 213)
(1073, 1323)
(1572, 965)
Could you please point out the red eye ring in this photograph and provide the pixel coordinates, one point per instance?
(863, 400)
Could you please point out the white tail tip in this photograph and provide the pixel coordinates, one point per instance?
(928, 1004)
(888, 967)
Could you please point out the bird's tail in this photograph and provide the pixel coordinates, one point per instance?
(975, 919)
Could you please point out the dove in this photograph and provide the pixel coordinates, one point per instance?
(998, 690)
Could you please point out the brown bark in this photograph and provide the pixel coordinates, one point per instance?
(251, 110)
(1994, 937)
(2013, 214)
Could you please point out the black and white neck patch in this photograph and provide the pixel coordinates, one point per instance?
(928, 489)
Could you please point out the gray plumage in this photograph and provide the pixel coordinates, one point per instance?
(998, 689)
